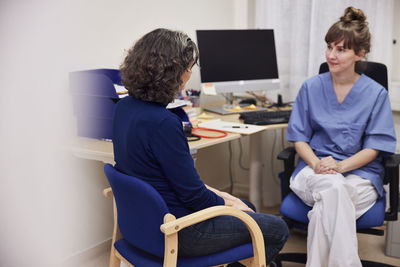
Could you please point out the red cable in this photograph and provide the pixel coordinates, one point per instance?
(223, 133)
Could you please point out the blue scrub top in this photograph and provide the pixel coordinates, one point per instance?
(363, 120)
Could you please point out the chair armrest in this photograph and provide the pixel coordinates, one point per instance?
(392, 161)
(392, 176)
(287, 153)
(288, 157)
(108, 193)
(172, 227)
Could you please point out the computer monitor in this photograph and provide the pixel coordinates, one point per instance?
(234, 61)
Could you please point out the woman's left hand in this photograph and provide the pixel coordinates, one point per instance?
(331, 164)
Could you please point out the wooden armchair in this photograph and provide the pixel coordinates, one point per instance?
(146, 234)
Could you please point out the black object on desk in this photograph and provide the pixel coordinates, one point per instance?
(266, 117)
(279, 103)
(248, 101)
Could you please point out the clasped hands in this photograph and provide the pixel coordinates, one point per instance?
(327, 165)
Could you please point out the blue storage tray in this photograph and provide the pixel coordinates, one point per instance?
(94, 99)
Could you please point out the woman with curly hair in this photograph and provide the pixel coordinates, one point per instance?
(149, 143)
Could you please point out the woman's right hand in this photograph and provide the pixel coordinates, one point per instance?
(239, 204)
(307, 154)
(230, 200)
(325, 166)
(234, 202)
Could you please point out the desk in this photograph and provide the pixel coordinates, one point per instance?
(255, 149)
(103, 151)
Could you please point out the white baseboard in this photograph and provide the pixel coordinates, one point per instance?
(85, 255)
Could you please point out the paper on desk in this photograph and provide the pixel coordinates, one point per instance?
(178, 103)
(227, 126)
(208, 89)
(121, 90)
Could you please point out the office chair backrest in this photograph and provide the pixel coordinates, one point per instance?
(374, 70)
(140, 209)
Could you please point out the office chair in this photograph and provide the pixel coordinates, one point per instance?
(374, 70)
(295, 211)
(146, 234)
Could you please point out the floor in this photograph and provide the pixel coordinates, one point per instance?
(370, 248)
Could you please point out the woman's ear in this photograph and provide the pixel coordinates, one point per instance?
(361, 54)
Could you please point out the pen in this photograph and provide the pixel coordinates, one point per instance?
(237, 126)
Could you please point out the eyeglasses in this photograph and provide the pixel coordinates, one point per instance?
(335, 50)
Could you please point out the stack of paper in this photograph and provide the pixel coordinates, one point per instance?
(121, 90)
(232, 126)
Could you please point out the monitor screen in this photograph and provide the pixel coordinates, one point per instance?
(238, 60)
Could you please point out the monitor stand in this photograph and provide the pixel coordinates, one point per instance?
(228, 107)
(224, 109)
(220, 110)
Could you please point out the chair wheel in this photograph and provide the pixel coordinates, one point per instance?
(275, 263)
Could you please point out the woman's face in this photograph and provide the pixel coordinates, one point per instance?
(341, 59)
(186, 76)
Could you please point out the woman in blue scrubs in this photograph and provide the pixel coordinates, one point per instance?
(149, 143)
(341, 126)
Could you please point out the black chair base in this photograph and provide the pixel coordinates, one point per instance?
(291, 257)
(302, 258)
(375, 264)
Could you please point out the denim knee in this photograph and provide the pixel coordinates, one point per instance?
(274, 229)
(275, 238)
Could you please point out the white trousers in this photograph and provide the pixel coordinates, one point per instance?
(337, 202)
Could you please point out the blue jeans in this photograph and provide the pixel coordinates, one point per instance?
(224, 232)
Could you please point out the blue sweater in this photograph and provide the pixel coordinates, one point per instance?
(149, 143)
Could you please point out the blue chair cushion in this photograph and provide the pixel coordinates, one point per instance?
(294, 208)
(141, 231)
(140, 258)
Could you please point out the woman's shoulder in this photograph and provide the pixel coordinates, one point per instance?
(144, 110)
(320, 78)
(371, 84)
(316, 82)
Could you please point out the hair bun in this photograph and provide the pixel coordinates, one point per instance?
(353, 14)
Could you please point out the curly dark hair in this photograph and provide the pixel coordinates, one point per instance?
(353, 29)
(153, 68)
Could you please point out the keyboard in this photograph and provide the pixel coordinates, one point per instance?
(265, 117)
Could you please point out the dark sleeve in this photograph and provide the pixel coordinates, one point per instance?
(170, 148)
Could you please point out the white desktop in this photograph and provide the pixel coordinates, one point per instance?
(237, 61)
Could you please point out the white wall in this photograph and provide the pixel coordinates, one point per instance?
(396, 47)
(51, 203)
(108, 28)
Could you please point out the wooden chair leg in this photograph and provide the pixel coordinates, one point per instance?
(114, 260)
